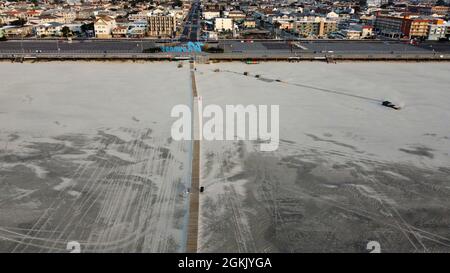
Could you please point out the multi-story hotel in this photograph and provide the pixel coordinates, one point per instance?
(404, 26)
(162, 25)
(415, 27)
(318, 27)
(390, 26)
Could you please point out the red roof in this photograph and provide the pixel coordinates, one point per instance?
(13, 12)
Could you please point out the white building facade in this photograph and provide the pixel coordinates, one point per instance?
(223, 24)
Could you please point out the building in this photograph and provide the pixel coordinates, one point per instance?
(438, 30)
(327, 27)
(120, 31)
(318, 27)
(223, 24)
(210, 35)
(286, 25)
(415, 27)
(67, 15)
(355, 31)
(138, 29)
(447, 30)
(5, 19)
(179, 14)
(86, 13)
(45, 19)
(440, 10)
(351, 34)
(389, 26)
(210, 14)
(162, 25)
(74, 27)
(376, 3)
(366, 32)
(236, 15)
(32, 13)
(140, 16)
(429, 10)
(404, 26)
(281, 18)
(103, 26)
(249, 23)
(367, 19)
(16, 31)
(332, 15)
(51, 29)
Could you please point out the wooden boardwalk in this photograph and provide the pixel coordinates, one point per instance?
(192, 235)
(194, 86)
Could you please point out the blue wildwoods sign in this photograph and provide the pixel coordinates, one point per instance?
(189, 47)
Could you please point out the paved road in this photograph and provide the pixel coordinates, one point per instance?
(233, 48)
(443, 47)
(336, 46)
(263, 56)
(230, 46)
(83, 46)
(192, 24)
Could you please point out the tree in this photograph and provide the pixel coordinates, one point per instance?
(441, 3)
(20, 22)
(276, 28)
(66, 31)
(177, 3)
(86, 27)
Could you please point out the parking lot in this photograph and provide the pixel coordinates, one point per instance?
(443, 47)
(361, 46)
(83, 46)
(233, 49)
(248, 46)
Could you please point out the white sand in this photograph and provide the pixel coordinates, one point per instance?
(286, 205)
(127, 173)
(379, 132)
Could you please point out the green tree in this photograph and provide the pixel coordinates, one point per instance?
(66, 31)
(277, 25)
(2, 36)
(177, 3)
(87, 27)
(19, 22)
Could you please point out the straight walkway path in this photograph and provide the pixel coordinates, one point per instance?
(192, 236)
